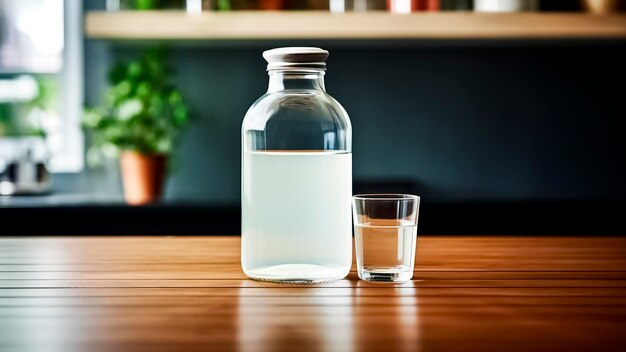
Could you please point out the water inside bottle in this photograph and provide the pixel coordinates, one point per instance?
(297, 218)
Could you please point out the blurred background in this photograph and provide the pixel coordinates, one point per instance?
(504, 115)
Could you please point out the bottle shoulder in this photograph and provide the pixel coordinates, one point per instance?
(293, 104)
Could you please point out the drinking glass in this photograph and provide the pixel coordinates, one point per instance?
(385, 229)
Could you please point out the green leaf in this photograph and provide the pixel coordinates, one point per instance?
(129, 108)
(91, 118)
(144, 90)
(180, 114)
(134, 69)
(145, 4)
(175, 98)
(121, 90)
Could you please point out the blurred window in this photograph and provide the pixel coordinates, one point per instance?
(41, 78)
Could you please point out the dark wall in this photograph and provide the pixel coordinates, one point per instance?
(452, 121)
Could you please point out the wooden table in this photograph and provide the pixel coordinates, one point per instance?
(189, 294)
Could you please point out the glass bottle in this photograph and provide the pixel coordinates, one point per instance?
(296, 175)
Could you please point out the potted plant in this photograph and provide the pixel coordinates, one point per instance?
(140, 118)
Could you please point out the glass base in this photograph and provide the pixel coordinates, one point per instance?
(392, 274)
(297, 273)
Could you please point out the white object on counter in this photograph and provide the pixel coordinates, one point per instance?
(340, 6)
(193, 7)
(400, 6)
(505, 5)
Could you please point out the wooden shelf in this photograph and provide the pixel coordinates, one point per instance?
(174, 25)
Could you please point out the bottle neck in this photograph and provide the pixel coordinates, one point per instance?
(285, 80)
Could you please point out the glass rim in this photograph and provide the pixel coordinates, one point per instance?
(385, 196)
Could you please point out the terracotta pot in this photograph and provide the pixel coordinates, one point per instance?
(601, 6)
(142, 177)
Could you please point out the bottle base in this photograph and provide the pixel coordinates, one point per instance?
(306, 274)
(392, 274)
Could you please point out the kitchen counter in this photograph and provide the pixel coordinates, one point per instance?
(105, 215)
(188, 294)
(94, 214)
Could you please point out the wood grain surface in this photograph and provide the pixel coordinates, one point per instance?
(189, 294)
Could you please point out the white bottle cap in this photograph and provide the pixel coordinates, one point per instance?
(296, 58)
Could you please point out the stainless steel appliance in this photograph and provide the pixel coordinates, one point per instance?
(23, 167)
